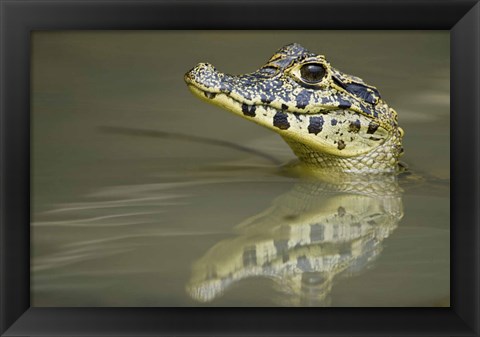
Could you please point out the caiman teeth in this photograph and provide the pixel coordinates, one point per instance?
(209, 94)
(248, 110)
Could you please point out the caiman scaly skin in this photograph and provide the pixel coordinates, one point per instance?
(331, 120)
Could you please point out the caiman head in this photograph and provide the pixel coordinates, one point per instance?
(331, 120)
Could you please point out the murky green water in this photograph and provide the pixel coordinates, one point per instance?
(131, 208)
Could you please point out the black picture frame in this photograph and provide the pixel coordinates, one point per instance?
(20, 17)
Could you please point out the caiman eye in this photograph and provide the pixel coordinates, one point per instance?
(312, 72)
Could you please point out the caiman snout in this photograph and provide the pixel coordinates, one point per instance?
(204, 76)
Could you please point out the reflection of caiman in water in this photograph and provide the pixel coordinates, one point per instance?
(309, 235)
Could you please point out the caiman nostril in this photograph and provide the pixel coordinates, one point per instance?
(206, 65)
